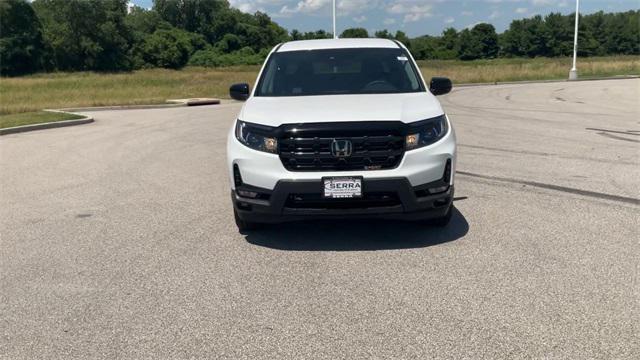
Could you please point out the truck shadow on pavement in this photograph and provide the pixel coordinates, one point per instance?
(357, 235)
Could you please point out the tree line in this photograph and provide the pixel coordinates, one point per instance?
(106, 35)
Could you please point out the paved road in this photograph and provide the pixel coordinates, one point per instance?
(117, 241)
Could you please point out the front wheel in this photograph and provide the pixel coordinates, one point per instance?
(244, 225)
(444, 220)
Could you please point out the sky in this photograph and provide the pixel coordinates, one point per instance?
(414, 17)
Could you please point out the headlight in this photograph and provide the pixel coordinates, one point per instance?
(257, 137)
(423, 133)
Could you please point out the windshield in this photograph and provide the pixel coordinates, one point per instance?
(339, 71)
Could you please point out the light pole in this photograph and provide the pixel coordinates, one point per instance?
(335, 35)
(573, 74)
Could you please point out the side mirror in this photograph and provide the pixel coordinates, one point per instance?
(440, 85)
(239, 91)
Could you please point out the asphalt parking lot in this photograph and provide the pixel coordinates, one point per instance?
(117, 241)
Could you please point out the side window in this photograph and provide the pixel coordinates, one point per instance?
(269, 74)
(411, 75)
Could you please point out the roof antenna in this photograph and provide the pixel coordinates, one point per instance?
(335, 35)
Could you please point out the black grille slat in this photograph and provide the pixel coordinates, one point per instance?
(307, 155)
(373, 153)
(376, 145)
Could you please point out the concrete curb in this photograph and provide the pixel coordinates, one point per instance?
(48, 125)
(524, 82)
(118, 107)
(174, 103)
(88, 119)
(195, 101)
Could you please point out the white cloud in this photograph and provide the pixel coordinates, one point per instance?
(389, 21)
(474, 24)
(541, 2)
(467, 13)
(305, 6)
(359, 19)
(449, 20)
(495, 14)
(251, 6)
(323, 7)
(521, 10)
(357, 6)
(412, 10)
(248, 8)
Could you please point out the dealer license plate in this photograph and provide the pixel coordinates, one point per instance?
(342, 187)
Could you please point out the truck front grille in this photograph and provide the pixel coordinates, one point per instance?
(375, 146)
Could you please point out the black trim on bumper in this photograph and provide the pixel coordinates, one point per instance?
(405, 203)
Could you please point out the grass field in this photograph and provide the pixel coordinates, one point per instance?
(153, 86)
(59, 90)
(38, 117)
(499, 70)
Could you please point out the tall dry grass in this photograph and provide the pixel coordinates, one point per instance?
(500, 70)
(151, 86)
(59, 90)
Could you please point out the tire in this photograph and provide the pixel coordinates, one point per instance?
(444, 220)
(244, 225)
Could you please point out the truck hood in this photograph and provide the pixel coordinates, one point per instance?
(275, 111)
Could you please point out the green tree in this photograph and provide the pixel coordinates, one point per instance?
(213, 57)
(355, 33)
(258, 31)
(22, 46)
(403, 38)
(86, 34)
(623, 33)
(215, 18)
(424, 47)
(295, 35)
(449, 42)
(383, 34)
(559, 36)
(319, 34)
(145, 22)
(486, 35)
(447, 45)
(481, 42)
(229, 43)
(168, 48)
(599, 34)
(470, 48)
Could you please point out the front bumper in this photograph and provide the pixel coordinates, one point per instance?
(389, 198)
(265, 170)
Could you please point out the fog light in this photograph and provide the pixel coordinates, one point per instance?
(247, 194)
(446, 177)
(437, 190)
(244, 206)
(412, 140)
(237, 178)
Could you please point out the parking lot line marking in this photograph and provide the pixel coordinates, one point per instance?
(593, 194)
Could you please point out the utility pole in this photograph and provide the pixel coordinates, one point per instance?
(335, 34)
(573, 74)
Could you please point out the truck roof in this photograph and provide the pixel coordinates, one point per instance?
(336, 44)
